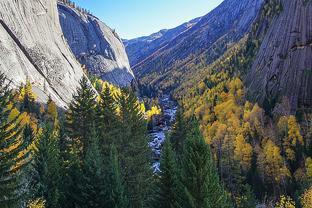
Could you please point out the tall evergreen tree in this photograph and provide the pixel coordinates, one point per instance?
(92, 187)
(14, 153)
(133, 149)
(199, 176)
(116, 197)
(28, 98)
(46, 169)
(178, 134)
(169, 190)
(72, 174)
(81, 114)
(107, 120)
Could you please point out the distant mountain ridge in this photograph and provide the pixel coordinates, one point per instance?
(204, 42)
(140, 48)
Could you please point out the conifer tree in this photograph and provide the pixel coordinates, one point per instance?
(107, 120)
(133, 149)
(169, 191)
(14, 152)
(199, 176)
(116, 197)
(52, 109)
(92, 186)
(46, 169)
(72, 174)
(178, 134)
(81, 114)
(27, 97)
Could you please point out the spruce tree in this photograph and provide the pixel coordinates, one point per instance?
(199, 176)
(81, 114)
(45, 177)
(28, 98)
(133, 149)
(169, 190)
(14, 152)
(116, 197)
(107, 120)
(72, 174)
(92, 186)
(178, 134)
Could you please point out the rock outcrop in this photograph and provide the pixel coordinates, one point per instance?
(283, 66)
(32, 47)
(95, 45)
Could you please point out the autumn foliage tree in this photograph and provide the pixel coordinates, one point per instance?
(14, 148)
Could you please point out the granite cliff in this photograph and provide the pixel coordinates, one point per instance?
(283, 65)
(95, 45)
(32, 47)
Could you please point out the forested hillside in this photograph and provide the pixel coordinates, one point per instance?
(221, 106)
(262, 151)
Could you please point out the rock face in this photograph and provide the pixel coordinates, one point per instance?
(283, 66)
(32, 47)
(208, 38)
(140, 48)
(96, 46)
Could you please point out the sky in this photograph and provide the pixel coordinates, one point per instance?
(136, 18)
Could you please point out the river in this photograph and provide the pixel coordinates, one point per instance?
(161, 128)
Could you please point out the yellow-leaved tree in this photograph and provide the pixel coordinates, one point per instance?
(306, 198)
(271, 165)
(285, 202)
(291, 139)
(15, 139)
(243, 152)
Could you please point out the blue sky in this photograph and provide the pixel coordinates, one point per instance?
(135, 18)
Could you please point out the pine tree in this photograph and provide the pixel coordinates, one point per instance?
(27, 97)
(14, 152)
(52, 109)
(116, 197)
(133, 149)
(178, 134)
(46, 169)
(107, 120)
(72, 174)
(92, 187)
(169, 190)
(199, 176)
(81, 114)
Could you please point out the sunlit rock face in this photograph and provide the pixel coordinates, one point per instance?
(283, 67)
(95, 45)
(32, 47)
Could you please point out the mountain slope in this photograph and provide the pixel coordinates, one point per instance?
(283, 66)
(32, 48)
(95, 45)
(140, 48)
(203, 43)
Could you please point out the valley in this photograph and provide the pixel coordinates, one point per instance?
(212, 113)
(161, 128)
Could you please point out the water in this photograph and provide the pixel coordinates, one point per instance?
(161, 128)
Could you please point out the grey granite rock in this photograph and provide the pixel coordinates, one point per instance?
(283, 67)
(32, 47)
(95, 45)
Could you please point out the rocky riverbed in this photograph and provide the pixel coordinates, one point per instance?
(161, 128)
